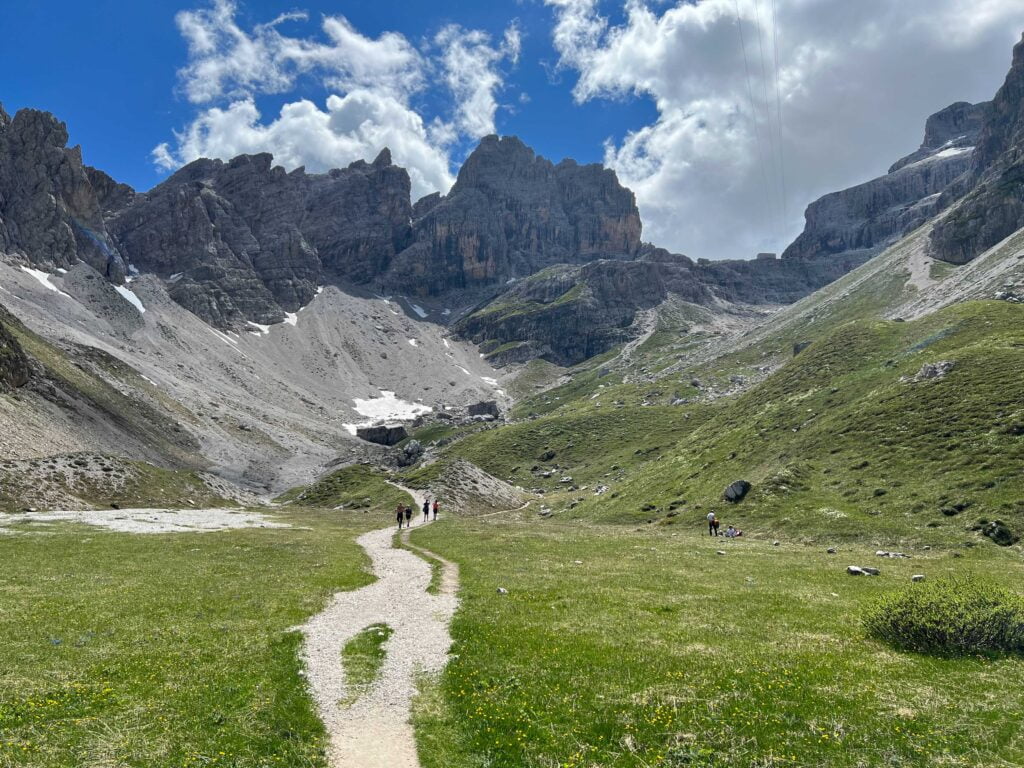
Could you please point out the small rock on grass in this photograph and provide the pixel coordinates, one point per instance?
(917, 577)
(720, 552)
(502, 591)
(831, 550)
(775, 543)
(856, 570)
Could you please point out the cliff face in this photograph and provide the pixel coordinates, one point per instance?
(15, 369)
(246, 241)
(49, 212)
(863, 220)
(512, 213)
(992, 190)
(566, 314)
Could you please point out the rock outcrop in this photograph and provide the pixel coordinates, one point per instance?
(49, 212)
(863, 220)
(247, 241)
(509, 215)
(992, 190)
(15, 369)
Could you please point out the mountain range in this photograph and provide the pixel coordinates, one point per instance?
(238, 316)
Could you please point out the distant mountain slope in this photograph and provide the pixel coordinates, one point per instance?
(864, 219)
(993, 187)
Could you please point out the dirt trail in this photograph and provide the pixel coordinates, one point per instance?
(375, 731)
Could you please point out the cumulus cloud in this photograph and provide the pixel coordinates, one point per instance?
(371, 85)
(748, 133)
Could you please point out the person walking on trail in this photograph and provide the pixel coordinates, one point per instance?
(408, 517)
(436, 507)
(712, 524)
(426, 509)
(399, 514)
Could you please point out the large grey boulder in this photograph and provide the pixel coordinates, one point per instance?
(736, 491)
(383, 434)
(485, 408)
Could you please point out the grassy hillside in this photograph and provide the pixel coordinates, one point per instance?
(837, 442)
(357, 487)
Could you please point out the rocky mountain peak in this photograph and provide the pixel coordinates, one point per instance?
(957, 126)
(990, 196)
(383, 158)
(49, 212)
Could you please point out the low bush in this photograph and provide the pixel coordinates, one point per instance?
(951, 616)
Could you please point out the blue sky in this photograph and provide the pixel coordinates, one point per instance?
(723, 158)
(111, 66)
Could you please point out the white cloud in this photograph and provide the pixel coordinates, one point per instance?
(856, 81)
(471, 72)
(371, 84)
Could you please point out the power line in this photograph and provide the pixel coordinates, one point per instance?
(754, 117)
(778, 114)
(773, 155)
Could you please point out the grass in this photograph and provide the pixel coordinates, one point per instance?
(653, 650)
(363, 657)
(358, 486)
(166, 650)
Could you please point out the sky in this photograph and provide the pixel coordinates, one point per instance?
(725, 117)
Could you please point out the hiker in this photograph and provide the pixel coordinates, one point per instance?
(426, 509)
(436, 507)
(732, 532)
(399, 514)
(408, 517)
(712, 524)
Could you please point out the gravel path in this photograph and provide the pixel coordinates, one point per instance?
(375, 730)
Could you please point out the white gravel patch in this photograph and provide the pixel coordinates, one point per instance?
(149, 520)
(374, 731)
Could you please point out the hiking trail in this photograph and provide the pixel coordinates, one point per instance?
(375, 731)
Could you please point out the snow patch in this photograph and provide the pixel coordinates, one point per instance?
(446, 312)
(292, 318)
(413, 342)
(489, 380)
(387, 407)
(224, 337)
(319, 290)
(446, 344)
(261, 330)
(130, 296)
(952, 151)
(417, 309)
(44, 280)
(465, 371)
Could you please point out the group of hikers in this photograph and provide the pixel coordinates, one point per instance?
(731, 532)
(403, 513)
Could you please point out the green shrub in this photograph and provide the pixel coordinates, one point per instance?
(950, 616)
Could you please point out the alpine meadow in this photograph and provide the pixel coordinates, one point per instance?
(355, 432)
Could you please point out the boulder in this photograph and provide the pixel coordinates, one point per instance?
(383, 434)
(854, 570)
(917, 577)
(736, 491)
(871, 571)
(485, 408)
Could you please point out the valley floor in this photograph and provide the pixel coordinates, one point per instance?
(613, 646)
